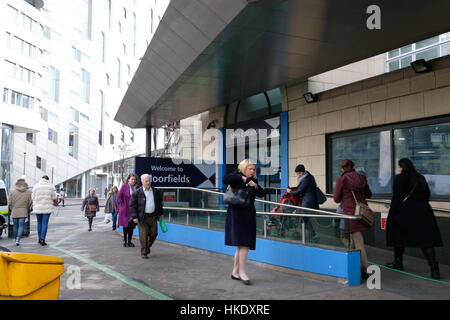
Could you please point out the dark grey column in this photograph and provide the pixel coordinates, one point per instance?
(148, 142)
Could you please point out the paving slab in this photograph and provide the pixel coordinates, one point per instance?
(110, 271)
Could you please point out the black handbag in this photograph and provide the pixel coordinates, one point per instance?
(321, 198)
(236, 197)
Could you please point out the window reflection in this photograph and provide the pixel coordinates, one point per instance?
(371, 154)
(428, 147)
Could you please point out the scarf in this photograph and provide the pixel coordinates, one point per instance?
(302, 177)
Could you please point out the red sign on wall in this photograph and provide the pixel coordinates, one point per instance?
(383, 220)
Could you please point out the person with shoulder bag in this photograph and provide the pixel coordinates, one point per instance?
(112, 206)
(240, 223)
(351, 191)
(307, 192)
(90, 207)
(20, 202)
(411, 222)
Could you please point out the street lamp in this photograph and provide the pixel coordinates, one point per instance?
(24, 158)
(112, 173)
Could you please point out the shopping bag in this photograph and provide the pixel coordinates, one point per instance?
(108, 218)
(163, 225)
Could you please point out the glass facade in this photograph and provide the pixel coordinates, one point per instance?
(376, 152)
(253, 131)
(427, 49)
(429, 149)
(6, 155)
(371, 154)
(99, 178)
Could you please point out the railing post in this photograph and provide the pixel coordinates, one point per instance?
(265, 229)
(303, 231)
(209, 220)
(170, 216)
(187, 218)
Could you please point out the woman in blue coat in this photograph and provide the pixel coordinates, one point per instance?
(240, 223)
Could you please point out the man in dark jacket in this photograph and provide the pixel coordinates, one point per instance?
(306, 190)
(146, 208)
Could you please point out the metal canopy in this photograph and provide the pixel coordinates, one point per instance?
(207, 53)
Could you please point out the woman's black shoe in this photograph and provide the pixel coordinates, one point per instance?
(235, 278)
(130, 244)
(247, 282)
(435, 273)
(396, 264)
(364, 276)
(125, 244)
(43, 243)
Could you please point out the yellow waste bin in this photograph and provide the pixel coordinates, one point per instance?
(25, 276)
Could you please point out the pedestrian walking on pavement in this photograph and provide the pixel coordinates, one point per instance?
(43, 196)
(112, 205)
(240, 223)
(20, 202)
(90, 207)
(349, 186)
(146, 209)
(411, 222)
(125, 220)
(306, 191)
(62, 195)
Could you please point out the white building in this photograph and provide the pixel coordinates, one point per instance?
(64, 68)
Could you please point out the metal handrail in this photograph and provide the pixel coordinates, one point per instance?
(264, 201)
(387, 202)
(268, 213)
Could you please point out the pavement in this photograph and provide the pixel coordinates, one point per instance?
(109, 271)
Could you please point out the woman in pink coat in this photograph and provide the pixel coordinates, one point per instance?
(125, 221)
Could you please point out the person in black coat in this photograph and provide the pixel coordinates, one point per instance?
(240, 223)
(146, 208)
(306, 190)
(411, 222)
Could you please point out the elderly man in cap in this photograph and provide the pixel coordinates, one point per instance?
(146, 208)
(306, 190)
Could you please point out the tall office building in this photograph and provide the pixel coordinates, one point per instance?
(64, 68)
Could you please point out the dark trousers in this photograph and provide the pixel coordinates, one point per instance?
(148, 231)
(429, 253)
(128, 232)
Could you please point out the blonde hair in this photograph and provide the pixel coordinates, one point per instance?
(91, 189)
(242, 167)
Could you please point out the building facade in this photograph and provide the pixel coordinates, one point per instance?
(65, 68)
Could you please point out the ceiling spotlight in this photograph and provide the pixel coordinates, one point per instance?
(309, 97)
(420, 66)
